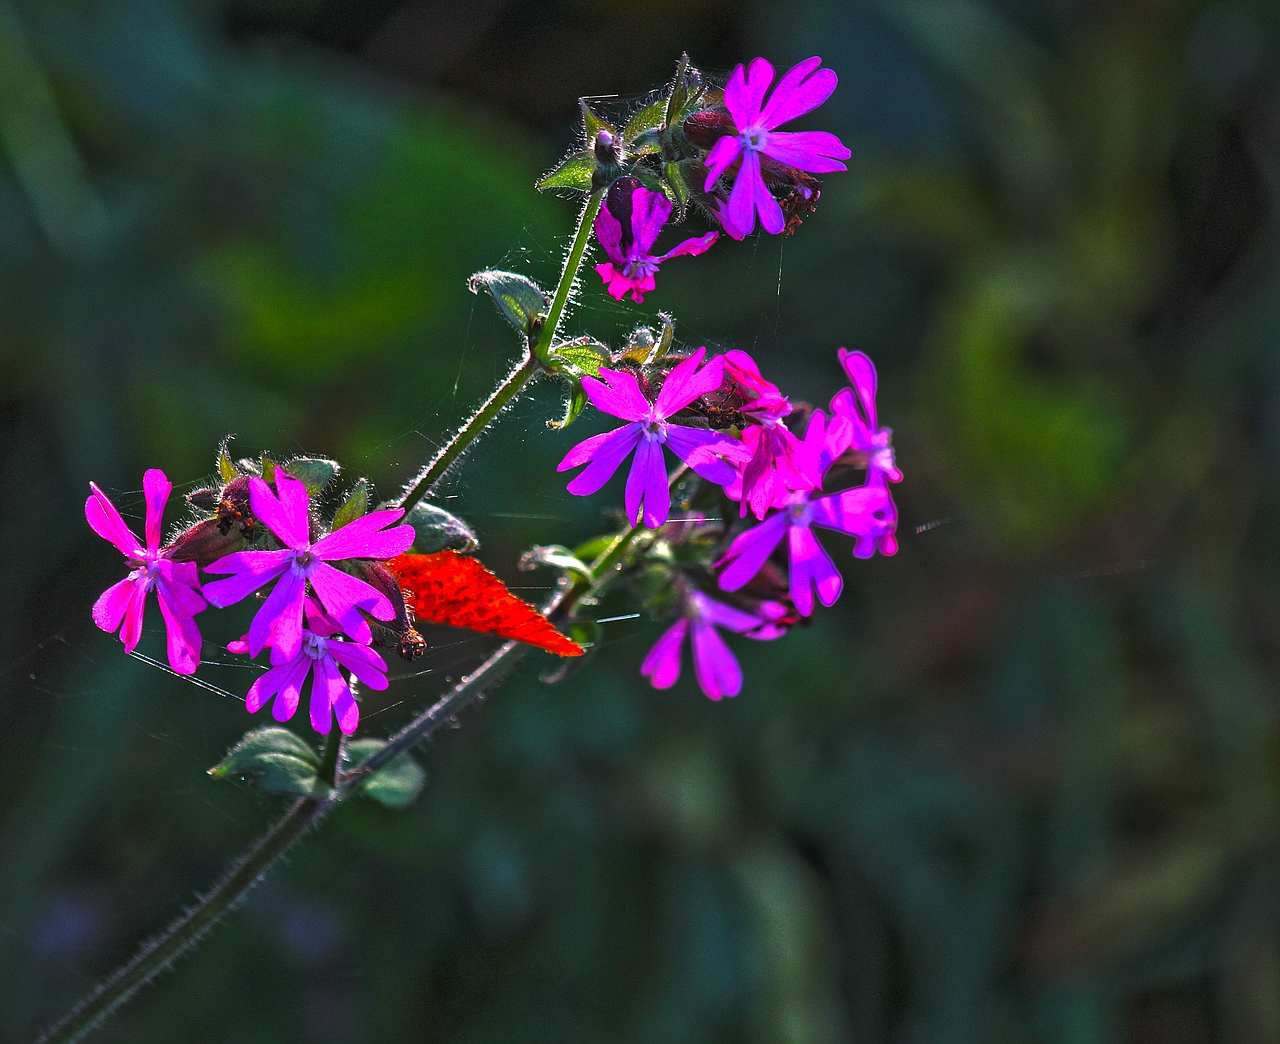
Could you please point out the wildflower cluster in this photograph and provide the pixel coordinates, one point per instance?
(333, 590)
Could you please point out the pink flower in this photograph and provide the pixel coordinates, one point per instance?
(780, 464)
(714, 664)
(802, 89)
(865, 435)
(176, 584)
(279, 621)
(324, 653)
(866, 512)
(706, 452)
(627, 227)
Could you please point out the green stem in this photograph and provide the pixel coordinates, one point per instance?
(532, 363)
(159, 953)
(568, 275)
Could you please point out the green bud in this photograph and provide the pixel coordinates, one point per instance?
(396, 785)
(313, 472)
(275, 761)
(519, 300)
(437, 530)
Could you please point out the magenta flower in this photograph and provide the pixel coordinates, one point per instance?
(324, 653)
(780, 464)
(802, 89)
(627, 227)
(714, 665)
(176, 584)
(618, 394)
(279, 621)
(865, 512)
(865, 435)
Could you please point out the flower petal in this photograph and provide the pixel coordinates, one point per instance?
(714, 664)
(279, 622)
(649, 212)
(618, 284)
(692, 247)
(361, 661)
(750, 550)
(155, 492)
(818, 152)
(750, 195)
(182, 635)
(744, 93)
(618, 394)
(707, 452)
(724, 153)
(131, 630)
(722, 615)
(286, 516)
(250, 570)
(362, 539)
(647, 483)
(105, 520)
(289, 675)
(798, 92)
(109, 609)
(811, 567)
(605, 454)
(861, 372)
(345, 596)
(865, 511)
(662, 665)
(608, 231)
(328, 687)
(179, 584)
(686, 383)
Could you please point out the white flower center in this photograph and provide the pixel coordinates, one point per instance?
(304, 563)
(315, 646)
(655, 429)
(754, 138)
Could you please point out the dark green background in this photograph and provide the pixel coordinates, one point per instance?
(1020, 785)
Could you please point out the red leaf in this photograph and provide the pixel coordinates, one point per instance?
(453, 589)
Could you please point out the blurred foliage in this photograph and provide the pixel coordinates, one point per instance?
(1020, 785)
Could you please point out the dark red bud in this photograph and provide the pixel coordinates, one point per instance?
(707, 126)
(204, 543)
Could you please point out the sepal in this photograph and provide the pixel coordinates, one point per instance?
(275, 761)
(577, 357)
(573, 407)
(573, 173)
(355, 506)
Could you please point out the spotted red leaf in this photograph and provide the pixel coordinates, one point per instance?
(454, 589)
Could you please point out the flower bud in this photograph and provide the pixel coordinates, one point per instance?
(606, 149)
(707, 126)
(205, 542)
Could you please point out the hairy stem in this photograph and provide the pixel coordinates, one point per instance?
(532, 363)
(184, 933)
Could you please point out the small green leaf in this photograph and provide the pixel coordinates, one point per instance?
(556, 557)
(594, 547)
(268, 469)
(355, 506)
(313, 472)
(520, 300)
(647, 120)
(397, 784)
(274, 760)
(674, 175)
(583, 355)
(679, 96)
(573, 407)
(437, 530)
(226, 468)
(574, 173)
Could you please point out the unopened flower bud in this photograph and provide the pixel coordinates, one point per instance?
(606, 149)
(707, 126)
(205, 542)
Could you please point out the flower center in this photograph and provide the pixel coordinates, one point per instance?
(147, 570)
(801, 512)
(655, 429)
(754, 138)
(314, 646)
(639, 267)
(304, 563)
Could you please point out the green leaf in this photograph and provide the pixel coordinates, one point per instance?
(584, 355)
(573, 406)
(680, 87)
(397, 784)
(520, 300)
(355, 506)
(268, 469)
(574, 173)
(594, 547)
(674, 175)
(650, 118)
(274, 760)
(313, 472)
(437, 530)
(556, 557)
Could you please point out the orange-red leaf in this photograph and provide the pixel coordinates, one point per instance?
(453, 589)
